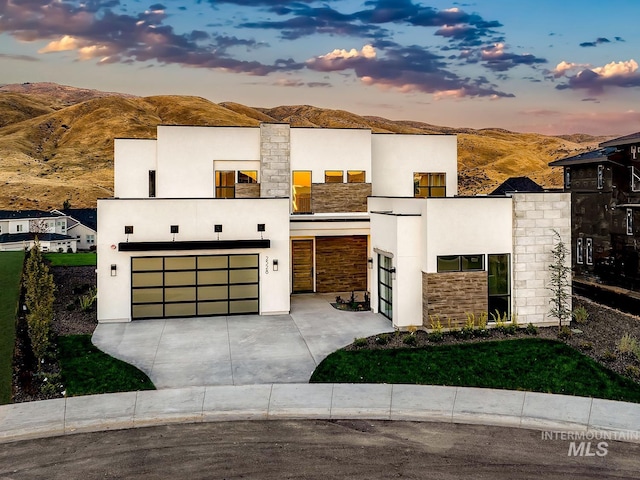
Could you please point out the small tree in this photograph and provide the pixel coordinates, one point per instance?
(560, 283)
(39, 297)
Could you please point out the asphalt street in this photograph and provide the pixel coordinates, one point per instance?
(314, 449)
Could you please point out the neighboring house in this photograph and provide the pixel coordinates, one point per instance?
(233, 220)
(18, 229)
(517, 184)
(605, 196)
(82, 223)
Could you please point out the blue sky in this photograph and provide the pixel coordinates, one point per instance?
(542, 66)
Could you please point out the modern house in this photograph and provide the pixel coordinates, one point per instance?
(18, 230)
(233, 220)
(605, 197)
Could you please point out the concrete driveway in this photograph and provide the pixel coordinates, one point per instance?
(238, 350)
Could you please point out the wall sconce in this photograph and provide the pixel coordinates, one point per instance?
(393, 273)
(261, 229)
(275, 264)
(217, 229)
(370, 262)
(114, 270)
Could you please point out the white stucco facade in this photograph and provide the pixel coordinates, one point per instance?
(409, 234)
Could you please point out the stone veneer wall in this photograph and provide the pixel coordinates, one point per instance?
(535, 217)
(341, 264)
(339, 197)
(247, 190)
(452, 295)
(275, 152)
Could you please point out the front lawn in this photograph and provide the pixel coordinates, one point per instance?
(533, 364)
(81, 259)
(87, 370)
(10, 275)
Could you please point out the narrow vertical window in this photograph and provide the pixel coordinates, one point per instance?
(567, 177)
(635, 179)
(629, 221)
(301, 191)
(589, 251)
(600, 177)
(499, 284)
(579, 252)
(152, 183)
(225, 183)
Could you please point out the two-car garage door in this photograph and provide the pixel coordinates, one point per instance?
(194, 285)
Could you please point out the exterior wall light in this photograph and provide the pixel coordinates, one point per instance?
(217, 228)
(370, 262)
(393, 273)
(275, 264)
(114, 270)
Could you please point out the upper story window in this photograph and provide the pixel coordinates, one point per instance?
(589, 251)
(579, 252)
(152, 183)
(225, 183)
(635, 179)
(355, 176)
(429, 185)
(301, 191)
(629, 221)
(248, 176)
(600, 178)
(333, 176)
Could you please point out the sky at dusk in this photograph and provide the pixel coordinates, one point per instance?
(546, 66)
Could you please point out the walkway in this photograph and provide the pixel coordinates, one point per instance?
(238, 350)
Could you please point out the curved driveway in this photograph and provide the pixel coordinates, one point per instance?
(238, 350)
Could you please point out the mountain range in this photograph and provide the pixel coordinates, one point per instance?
(56, 141)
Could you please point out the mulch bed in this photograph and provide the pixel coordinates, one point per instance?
(69, 319)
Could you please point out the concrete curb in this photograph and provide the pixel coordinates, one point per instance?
(424, 403)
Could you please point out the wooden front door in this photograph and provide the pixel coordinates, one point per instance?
(302, 261)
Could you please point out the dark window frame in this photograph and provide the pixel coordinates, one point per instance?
(353, 173)
(461, 267)
(429, 190)
(579, 251)
(589, 251)
(152, 183)
(600, 177)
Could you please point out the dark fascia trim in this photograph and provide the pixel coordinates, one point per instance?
(303, 220)
(392, 214)
(192, 245)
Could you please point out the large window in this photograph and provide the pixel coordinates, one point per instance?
(429, 185)
(460, 263)
(333, 176)
(225, 183)
(499, 284)
(301, 191)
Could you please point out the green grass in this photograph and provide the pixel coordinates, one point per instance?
(529, 364)
(87, 370)
(10, 275)
(82, 259)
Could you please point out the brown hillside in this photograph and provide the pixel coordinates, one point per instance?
(16, 107)
(49, 152)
